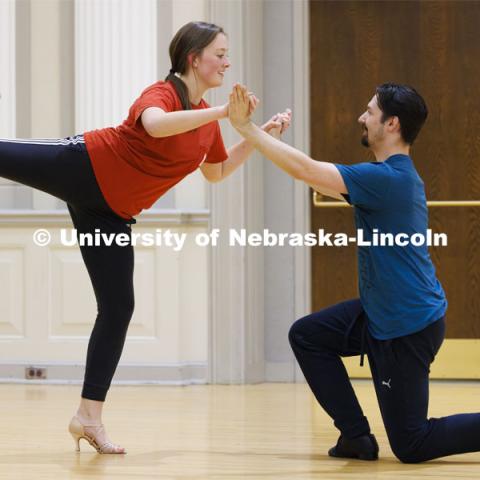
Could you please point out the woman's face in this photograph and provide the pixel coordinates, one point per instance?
(211, 65)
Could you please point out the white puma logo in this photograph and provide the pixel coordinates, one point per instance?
(387, 384)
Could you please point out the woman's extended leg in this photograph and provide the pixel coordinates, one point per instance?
(60, 167)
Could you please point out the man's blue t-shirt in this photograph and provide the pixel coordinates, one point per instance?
(398, 287)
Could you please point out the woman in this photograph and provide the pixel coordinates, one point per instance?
(108, 176)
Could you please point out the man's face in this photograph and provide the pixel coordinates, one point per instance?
(372, 127)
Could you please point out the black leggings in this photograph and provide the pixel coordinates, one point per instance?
(62, 168)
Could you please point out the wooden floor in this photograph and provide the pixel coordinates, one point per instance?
(268, 431)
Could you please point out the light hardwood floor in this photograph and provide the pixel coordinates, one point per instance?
(267, 431)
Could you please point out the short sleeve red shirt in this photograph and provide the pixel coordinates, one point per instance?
(134, 169)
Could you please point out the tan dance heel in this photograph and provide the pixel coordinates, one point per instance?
(77, 430)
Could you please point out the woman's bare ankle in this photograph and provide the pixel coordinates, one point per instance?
(90, 411)
(88, 417)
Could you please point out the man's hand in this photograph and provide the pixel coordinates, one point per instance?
(254, 101)
(239, 110)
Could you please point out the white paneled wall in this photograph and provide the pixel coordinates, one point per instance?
(48, 307)
(12, 323)
(7, 68)
(115, 58)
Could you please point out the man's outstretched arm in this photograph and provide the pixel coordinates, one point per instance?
(321, 176)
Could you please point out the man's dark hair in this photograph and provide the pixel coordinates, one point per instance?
(407, 104)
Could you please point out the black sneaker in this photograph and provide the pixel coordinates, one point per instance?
(363, 448)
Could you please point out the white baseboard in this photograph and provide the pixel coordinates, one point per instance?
(171, 374)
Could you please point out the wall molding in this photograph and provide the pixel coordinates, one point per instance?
(236, 335)
(18, 218)
(301, 130)
(126, 374)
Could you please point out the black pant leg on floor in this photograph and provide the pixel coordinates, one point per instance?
(318, 341)
(400, 370)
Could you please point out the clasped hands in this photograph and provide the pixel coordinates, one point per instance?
(243, 103)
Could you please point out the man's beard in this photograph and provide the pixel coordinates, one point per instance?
(364, 140)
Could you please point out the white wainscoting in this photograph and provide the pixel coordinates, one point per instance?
(47, 303)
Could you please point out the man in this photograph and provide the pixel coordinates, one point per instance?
(399, 319)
